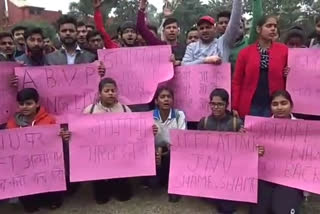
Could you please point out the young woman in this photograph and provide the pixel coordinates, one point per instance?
(121, 189)
(32, 114)
(260, 70)
(166, 117)
(222, 120)
(274, 198)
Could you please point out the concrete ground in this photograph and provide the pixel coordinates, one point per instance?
(145, 201)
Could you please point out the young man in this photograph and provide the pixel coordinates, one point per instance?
(18, 37)
(223, 19)
(90, 27)
(192, 35)
(95, 41)
(70, 52)
(128, 33)
(82, 35)
(32, 114)
(7, 47)
(171, 32)
(34, 55)
(209, 49)
(48, 46)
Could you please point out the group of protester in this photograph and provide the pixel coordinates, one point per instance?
(259, 71)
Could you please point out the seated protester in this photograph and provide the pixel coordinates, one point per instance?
(315, 41)
(223, 120)
(34, 55)
(95, 42)
(48, 46)
(295, 38)
(82, 35)
(128, 34)
(18, 38)
(98, 19)
(192, 35)
(120, 188)
(32, 114)
(171, 33)
(7, 47)
(166, 117)
(209, 49)
(275, 198)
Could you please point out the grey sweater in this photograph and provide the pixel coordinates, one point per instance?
(196, 52)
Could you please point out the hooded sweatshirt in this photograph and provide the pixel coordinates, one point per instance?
(20, 121)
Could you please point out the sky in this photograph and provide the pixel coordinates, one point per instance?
(64, 4)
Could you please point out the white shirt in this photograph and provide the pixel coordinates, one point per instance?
(71, 58)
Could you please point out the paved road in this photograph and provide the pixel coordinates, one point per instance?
(145, 201)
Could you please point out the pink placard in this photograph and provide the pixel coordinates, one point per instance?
(303, 80)
(211, 164)
(63, 89)
(193, 84)
(31, 161)
(138, 71)
(291, 151)
(111, 145)
(7, 92)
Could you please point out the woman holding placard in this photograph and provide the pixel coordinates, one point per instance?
(260, 70)
(274, 198)
(108, 102)
(222, 119)
(166, 117)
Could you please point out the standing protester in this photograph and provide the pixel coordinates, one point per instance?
(223, 19)
(315, 42)
(171, 32)
(260, 70)
(82, 35)
(192, 35)
(108, 103)
(70, 52)
(34, 55)
(295, 38)
(98, 19)
(7, 47)
(32, 114)
(48, 46)
(128, 34)
(95, 42)
(209, 49)
(166, 117)
(90, 27)
(18, 37)
(275, 198)
(242, 42)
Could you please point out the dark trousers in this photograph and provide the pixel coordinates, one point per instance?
(33, 202)
(120, 188)
(226, 207)
(277, 199)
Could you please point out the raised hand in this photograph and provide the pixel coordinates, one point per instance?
(97, 3)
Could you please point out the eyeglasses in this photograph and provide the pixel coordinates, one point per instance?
(217, 105)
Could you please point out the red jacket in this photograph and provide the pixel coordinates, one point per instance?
(246, 77)
(42, 118)
(98, 19)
